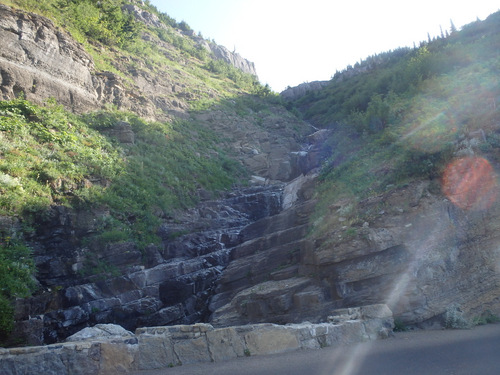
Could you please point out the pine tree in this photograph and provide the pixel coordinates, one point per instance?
(453, 29)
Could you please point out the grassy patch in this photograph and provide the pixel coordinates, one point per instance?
(49, 156)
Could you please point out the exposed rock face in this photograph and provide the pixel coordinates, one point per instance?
(443, 255)
(40, 61)
(294, 93)
(418, 253)
(275, 148)
(172, 284)
(43, 62)
(219, 52)
(143, 16)
(165, 284)
(233, 58)
(245, 258)
(262, 283)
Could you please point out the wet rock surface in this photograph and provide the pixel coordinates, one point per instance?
(412, 255)
(240, 265)
(174, 286)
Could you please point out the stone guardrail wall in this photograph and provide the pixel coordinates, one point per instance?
(162, 347)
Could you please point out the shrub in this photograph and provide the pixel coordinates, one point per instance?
(486, 318)
(16, 278)
(46, 154)
(454, 318)
(103, 20)
(399, 326)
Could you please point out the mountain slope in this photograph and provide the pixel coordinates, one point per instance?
(413, 178)
(164, 185)
(404, 115)
(112, 138)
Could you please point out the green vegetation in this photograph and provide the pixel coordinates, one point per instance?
(16, 278)
(486, 318)
(53, 157)
(94, 20)
(399, 116)
(111, 36)
(454, 318)
(395, 117)
(399, 326)
(165, 167)
(49, 156)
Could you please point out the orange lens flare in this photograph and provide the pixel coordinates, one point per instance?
(470, 183)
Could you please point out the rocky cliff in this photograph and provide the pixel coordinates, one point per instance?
(43, 61)
(163, 284)
(294, 93)
(218, 51)
(413, 254)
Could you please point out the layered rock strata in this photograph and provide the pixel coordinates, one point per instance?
(40, 61)
(414, 250)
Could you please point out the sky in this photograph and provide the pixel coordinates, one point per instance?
(292, 42)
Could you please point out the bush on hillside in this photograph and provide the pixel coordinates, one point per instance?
(16, 278)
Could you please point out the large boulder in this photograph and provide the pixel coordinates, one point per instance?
(100, 331)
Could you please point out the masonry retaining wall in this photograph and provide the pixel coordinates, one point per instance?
(162, 347)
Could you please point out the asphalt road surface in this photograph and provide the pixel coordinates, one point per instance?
(444, 352)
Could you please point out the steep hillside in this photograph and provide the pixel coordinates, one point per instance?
(116, 121)
(408, 200)
(147, 178)
(116, 54)
(404, 115)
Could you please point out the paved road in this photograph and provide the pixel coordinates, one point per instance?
(450, 352)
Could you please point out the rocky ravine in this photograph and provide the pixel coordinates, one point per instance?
(248, 257)
(168, 284)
